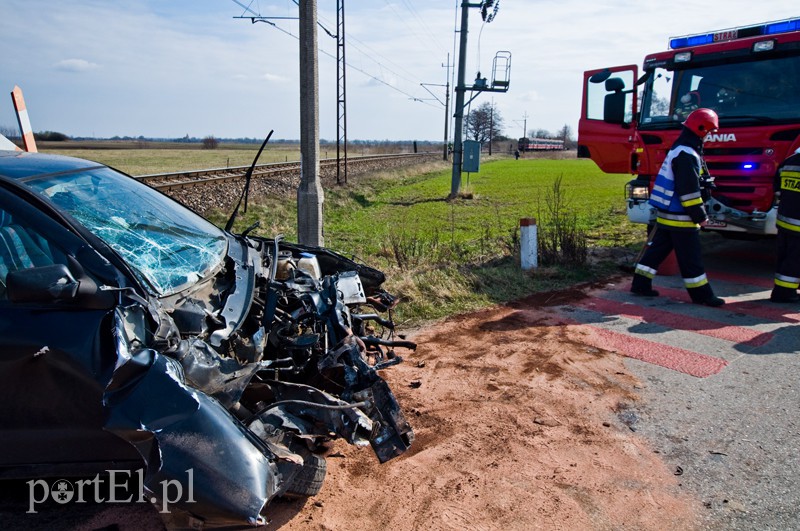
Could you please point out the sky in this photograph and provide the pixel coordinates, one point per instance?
(167, 69)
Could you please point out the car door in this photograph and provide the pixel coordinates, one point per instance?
(55, 355)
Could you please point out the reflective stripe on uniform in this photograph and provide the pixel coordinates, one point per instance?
(677, 223)
(788, 223)
(692, 202)
(663, 195)
(660, 200)
(645, 271)
(695, 282)
(693, 195)
(786, 281)
(663, 190)
(659, 192)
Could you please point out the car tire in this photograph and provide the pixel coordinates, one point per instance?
(308, 481)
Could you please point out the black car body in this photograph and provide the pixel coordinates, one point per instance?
(135, 333)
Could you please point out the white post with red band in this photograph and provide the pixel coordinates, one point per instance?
(24, 122)
(528, 244)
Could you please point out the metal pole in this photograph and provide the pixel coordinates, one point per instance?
(458, 149)
(446, 107)
(446, 119)
(491, 127)
(310, 196)
(341, 104)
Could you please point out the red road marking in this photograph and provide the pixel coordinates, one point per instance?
(769, 311)
(677, 359)
(707, 327)
(749, 280)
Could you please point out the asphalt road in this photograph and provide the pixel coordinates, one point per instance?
(719, 386)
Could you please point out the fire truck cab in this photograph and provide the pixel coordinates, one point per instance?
(750, 76)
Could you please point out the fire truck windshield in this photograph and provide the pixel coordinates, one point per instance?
(742, 93)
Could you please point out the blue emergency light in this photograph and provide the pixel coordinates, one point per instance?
(782, 27)
(770, 28)
(695, 40)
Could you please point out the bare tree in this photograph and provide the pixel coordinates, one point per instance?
(9, 132)
(210, 142)
(484, 123)
(565, 134)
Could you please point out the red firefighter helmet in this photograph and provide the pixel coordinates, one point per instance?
(702, 121)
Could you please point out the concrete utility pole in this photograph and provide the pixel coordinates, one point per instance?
(461, 89)
(501, 71)
(310, 196)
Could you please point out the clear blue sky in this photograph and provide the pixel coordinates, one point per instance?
(172, 68)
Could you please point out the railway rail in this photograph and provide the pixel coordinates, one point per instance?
(185, 179)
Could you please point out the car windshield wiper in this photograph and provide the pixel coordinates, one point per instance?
(246, 190)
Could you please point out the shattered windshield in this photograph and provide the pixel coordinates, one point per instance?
(745, 93)
(168, 246)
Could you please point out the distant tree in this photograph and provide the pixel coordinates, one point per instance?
(51, 136)
(541, 133)
(210, 142)
(9, 132)
(565, 134)
(484, 123)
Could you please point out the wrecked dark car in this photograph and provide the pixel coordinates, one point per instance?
(134, 333)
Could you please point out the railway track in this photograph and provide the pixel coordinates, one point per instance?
(176, 181)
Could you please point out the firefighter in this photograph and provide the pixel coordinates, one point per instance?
(787, 272)
(677, 196)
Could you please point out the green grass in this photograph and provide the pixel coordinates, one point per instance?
(445, 257)
(165, 160)
(496, 198)
(143, 158)
(442, 257)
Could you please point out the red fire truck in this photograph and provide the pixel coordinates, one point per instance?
(750, 76)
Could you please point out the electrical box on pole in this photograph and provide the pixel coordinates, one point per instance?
(472, 156)
(501, 79)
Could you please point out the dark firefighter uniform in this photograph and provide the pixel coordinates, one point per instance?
(677, 197)
(787, 272)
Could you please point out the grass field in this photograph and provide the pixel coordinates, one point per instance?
(442, 257)
(166, 160)
(143, 158)
(446, 257)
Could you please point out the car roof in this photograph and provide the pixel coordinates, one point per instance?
(21, 164)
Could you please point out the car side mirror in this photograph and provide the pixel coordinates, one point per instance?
(41, 284)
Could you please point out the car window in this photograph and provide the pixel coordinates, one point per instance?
(167, 246)
(22, 246)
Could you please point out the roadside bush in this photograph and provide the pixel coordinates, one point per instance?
(561, 241)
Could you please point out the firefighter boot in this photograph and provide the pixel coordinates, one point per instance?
(704, 295)
(643, 286)
(782, 294)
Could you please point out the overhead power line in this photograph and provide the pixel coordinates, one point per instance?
(255, 19)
